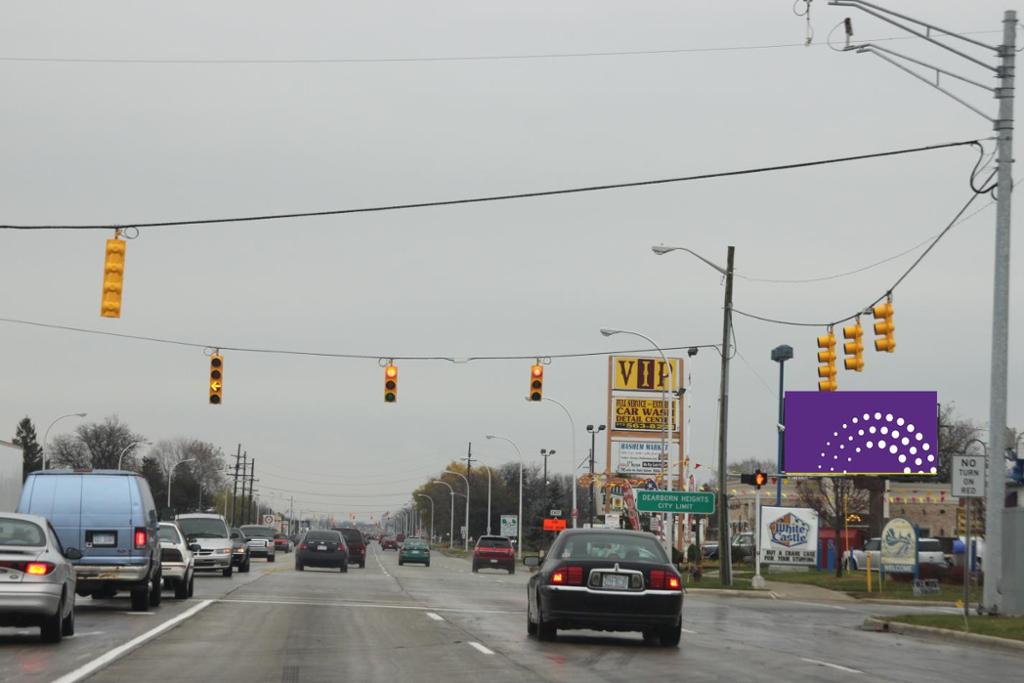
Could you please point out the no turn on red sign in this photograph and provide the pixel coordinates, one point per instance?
(968, 476)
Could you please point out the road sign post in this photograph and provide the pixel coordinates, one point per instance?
(968, 483)
(676, 502)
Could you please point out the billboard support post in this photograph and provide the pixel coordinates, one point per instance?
(758, 580)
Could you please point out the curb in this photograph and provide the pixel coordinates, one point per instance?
(907, 603)
(880, 625)
(731, 592)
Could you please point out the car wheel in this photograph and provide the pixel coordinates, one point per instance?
(50, 631)
(476, 568)
(191, 585)
(670, 635)
(180, 589)
(298, 567)
(156, 591)
(531, 628)
(244, 567)
(511, 570)
(546, 630)
(140, 599)
(426, 564)
(67, 625)
(228, 571)
(270, 558)
(344, 568)
(362, 565)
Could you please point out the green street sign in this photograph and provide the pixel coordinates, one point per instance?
(677, 502)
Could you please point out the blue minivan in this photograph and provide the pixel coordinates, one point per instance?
(110, 515)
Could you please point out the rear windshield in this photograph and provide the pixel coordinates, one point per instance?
(258, 531)
(169, 533)
(873, 544)
(416, 543)
(612, 547)
(494, 543)
(929, 545)
(352, 535)
(332, 536)
(203, 527)
(20, 532)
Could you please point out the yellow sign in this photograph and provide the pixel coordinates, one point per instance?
(643, 414)
(644, 374)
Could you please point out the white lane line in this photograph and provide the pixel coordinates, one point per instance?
(420, 608)
(83, 672)
(480, 648)
(380, 564)
(435, 617)
(818, 604)
(88, 633)
(832, 666)
(686, 630)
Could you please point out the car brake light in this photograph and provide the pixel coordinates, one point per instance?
(558, 578)
(38, 568)
(673, 583)
(661, 580)
(571, 576)
(140, 538)
(302, 547)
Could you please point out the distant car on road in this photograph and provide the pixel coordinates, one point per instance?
(37, 579)
(389, 543)
(356, 545)
(322, 548)
(415, 551)
(240, 558)
(282, 543)
(495, 552)
(607, 580)
(211, 533)
(260, 541)
(177, 563)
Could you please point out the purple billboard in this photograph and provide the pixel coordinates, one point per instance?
(861, 432)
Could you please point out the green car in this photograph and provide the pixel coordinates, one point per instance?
(414, 550)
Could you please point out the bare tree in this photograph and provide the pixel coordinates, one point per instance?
(833, 500)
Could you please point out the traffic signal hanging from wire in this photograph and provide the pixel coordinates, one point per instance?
(390, 383)
(884, 327)
(536, 382)
(216, 378)
(827, 358)
(113, 277)
(854, 347)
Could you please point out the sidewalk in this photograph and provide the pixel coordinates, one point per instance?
(803, 591)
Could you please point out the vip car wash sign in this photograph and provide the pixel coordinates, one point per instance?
(899, 547)
(644, 374)
(678, 502)
(510, 526)
(642, 414)
(789, 536)
(639, 457)
(968, 476)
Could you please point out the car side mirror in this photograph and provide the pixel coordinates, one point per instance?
(190, 539)
(531, 561)
(195, 547)
(73, 553)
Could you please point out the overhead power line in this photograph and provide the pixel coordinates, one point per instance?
(493, 198)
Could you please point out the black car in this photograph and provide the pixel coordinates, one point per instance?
(240, 557)
(356, 545)
(606, 580)
(322, 548)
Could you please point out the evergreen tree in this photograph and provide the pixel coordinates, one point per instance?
(32, 452)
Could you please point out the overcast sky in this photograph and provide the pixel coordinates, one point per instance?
(131, 142)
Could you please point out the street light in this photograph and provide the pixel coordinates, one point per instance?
(519, 520)
(723, 402)
(170, 474)
(572, 456)
(465, 535)
(451, 517)
(46, 434)
(666, 445)
(780, 354)
(423, 495)
(127, 448)
(593, 435)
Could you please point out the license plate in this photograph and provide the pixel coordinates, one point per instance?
(494, 561)
(321, 547)
(616, 581)
(103, 539)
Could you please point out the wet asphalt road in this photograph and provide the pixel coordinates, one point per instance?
(444, 623)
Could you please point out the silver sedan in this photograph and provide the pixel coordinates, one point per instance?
(37, 581)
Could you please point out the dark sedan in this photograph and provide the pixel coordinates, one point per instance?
(606, 580)
(322, 548)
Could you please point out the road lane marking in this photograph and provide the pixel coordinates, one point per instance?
(435, 617)
(83, 672)
(817, 604)
(480, 648)
(420, 608)
(89, 633)
(686, 630)
(832, 666)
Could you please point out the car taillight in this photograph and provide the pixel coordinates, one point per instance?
(568, 576)
(558, 577)
(673, 583)
(38, 568)
(661, 580)
(302, 547)
(141, 537)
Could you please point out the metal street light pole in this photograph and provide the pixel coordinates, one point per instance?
(724, 540)
(465, 536)
(170, 474)
(780, 354)
(488, 469)
(46, 434)
(423, 495)
(519, 519)
(572, 456)
(593, 435)
(451, 517)
(126, 448)
(666, 445)
(995, 488)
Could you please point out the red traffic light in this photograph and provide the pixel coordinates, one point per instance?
(536, 382)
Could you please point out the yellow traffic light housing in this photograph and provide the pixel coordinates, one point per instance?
(113, 277)
(827, 358)
(216, 378)
(390, 383)
(854, 347)
(884, 327)
(536, 382)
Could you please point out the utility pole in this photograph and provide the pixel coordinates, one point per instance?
(243, 500)
(234, 490)
(724, 540)
(469, 459)
(291, 513)
(252, 497)
(995, 488)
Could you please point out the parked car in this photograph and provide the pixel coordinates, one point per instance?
(239, 551)
(210, 531)
(322, 548)
(282, 543)
(389, 543)
(177, 564)
(607, 580)
(110, 516)
(494, 552)
(356, 546)
(37, 578)
(929, 551)
(260, 541)
(414, 550)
